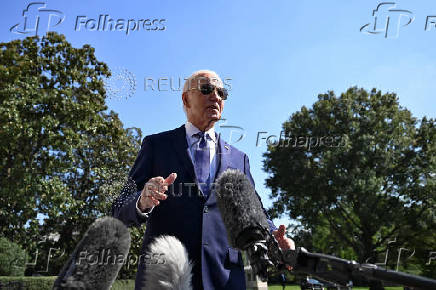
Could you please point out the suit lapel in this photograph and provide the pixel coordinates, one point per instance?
(223, 155)
(181, 146)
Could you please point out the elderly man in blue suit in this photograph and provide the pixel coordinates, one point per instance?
(191, 157)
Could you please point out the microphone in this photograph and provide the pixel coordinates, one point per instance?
(245, 221)
(169, 266)
(97, 258)
(247, 229)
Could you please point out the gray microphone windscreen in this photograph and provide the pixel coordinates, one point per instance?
(168, 266)
(240, 208)
(97, 258)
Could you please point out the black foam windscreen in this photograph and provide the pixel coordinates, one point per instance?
(97, 258)
(240, 208)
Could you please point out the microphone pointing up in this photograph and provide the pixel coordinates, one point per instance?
(240, 209)
(245, 221)
(97, 258)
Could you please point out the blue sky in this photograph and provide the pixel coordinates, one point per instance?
(278, 55)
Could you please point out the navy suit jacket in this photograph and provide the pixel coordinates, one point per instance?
(186, 214)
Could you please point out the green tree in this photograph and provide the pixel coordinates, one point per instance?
(12, 258)
(63, 156)
(371, 180)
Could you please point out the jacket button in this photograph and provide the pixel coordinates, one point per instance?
(206, 209)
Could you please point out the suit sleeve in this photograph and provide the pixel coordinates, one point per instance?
(248, 173)
(124, 207)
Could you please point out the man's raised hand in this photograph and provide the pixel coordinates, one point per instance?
(284, 242)
(154, 190)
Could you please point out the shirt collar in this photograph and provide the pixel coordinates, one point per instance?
(191, 130)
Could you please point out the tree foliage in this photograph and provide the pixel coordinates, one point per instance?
(63, 156)
(12, 258)
(369, 179)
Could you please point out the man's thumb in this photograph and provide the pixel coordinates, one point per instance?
(170, 179)
(280, 232)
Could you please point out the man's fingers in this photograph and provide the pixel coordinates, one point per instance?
(170, 179)
(156, 194)
(283, 241)
(280, 233)
(277, 235)
(156, 180)
(154, 201)
(158, 188)
(282, 230)
(154, 185)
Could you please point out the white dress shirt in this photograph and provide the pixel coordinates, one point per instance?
(192, 141)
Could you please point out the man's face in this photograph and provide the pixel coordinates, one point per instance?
(203, 110)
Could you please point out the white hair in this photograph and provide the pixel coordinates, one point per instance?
(188, 83)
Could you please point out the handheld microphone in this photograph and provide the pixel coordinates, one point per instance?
(245, 221)
(247, 229)
(97, 258)
(169, 267)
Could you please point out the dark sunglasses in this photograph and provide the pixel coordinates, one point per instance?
(206, 89)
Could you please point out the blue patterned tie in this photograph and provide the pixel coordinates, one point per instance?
(202, 162)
